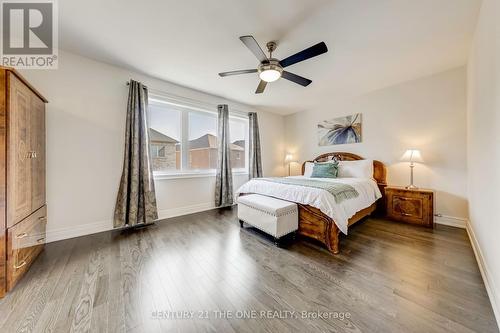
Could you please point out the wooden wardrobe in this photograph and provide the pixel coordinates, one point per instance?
(23, 211)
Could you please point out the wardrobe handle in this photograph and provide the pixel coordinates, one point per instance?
(20, 265)
(42, 218)
(406, 214)
(40, 240)
(21, 235)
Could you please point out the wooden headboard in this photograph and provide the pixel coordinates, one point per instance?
(379, 171)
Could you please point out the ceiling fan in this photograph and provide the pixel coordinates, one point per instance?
(271, 69)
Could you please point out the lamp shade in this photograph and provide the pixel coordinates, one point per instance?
(288, 158)
(412, 155)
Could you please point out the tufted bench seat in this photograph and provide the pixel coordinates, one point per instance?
(273, 216)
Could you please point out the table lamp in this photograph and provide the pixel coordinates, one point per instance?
(412, 155)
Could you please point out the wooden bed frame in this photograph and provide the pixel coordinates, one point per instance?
(315, 224)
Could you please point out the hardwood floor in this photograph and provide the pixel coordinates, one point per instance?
(388, 277)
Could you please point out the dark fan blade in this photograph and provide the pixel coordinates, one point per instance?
(251, 43)
(310, 52)
(261, 87)
(296, 78)
(243, 71)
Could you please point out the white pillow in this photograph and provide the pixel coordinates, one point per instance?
(308, 169)
(356, 169)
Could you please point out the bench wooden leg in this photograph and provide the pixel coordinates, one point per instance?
(277, 242)
(241, 223)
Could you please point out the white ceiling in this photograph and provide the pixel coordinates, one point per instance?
(372, 43)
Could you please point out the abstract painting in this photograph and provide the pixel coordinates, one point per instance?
(339, 131)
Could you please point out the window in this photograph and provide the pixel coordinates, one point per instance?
(183, 139)
(238, 129)
(202, 140)
(162, 151)
(164, 137)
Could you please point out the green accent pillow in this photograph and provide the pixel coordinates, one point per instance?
(325, 170)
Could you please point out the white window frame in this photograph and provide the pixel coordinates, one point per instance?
(185, 106)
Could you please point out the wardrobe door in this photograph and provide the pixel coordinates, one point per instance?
(37, 132)
(19, 155)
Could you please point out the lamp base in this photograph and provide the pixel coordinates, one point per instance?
(411, 186)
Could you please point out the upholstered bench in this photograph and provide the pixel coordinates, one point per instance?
(273, 216)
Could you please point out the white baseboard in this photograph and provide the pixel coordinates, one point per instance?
(78, 230)
(451, 221)
(489, 282)
(100, 226)
(173, 212)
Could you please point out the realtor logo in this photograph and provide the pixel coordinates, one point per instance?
(29, 34)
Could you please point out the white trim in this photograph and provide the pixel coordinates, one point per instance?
(200, 174)
(78, 230)
(452, 221)
(180, 175)
(100, 226)
(193, 104)
(173, 212)
(485, 273)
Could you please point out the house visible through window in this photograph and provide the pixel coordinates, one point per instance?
(184, 139)
(164, 137)
(202, 140)
(238, 132)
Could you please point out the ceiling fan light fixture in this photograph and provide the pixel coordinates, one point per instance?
(270, 72)
(270, 75)
(271, 69)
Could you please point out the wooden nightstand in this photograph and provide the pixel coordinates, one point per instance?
(415, 206)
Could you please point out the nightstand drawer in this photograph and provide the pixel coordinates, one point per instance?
(407, 207)
(411, 206)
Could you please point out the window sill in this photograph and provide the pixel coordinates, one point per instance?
(181, 175)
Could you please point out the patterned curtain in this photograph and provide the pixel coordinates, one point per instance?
(255, 159)
(224, 178)
(136, 201)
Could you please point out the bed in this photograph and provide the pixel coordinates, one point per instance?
(316, 220)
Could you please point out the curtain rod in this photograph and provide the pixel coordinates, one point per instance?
(128, 84)
(182, 100)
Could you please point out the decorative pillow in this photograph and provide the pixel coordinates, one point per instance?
(308, 169)
(325, 170)
(356, 169)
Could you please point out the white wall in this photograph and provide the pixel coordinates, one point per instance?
(483, 145)
(85, 138)
(428, 114)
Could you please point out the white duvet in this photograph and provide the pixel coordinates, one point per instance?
(319, 198)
